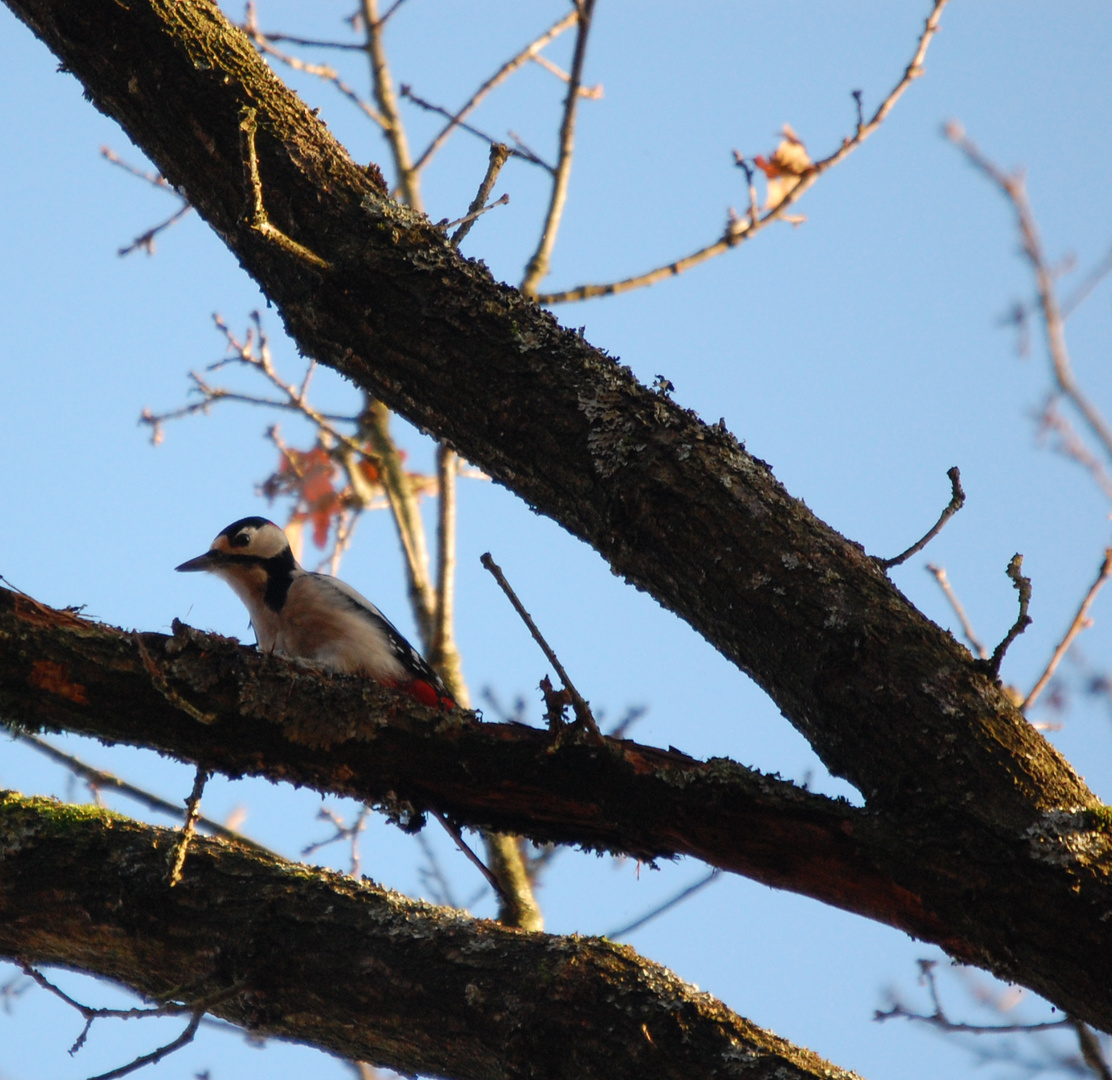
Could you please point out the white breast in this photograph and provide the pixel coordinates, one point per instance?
(329, 623)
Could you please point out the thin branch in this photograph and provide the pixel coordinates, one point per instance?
(408, 179)
(256, 214)
(264, 43)
(753, 212)
(154, 179)
(145, 240)
(1091, 1050)
(1081, 621)
(957, 501)
(1013, 187)
(443, 653)
(375, 427)
(189, 826)
(342, 832)
(433, 876)
(469, 219)
(593, 93)
(243, 352)
(660, 909)
(310, 43)
(154, 1056)
(1091, 281)
(939, 573)
(538, 266)
(197, 1009)
(738, 232)
(522, 150)
(499, 154)
(462, 844)
(530, 52)
(582, 709)
(938, 1018)
(1023, 620)
(97, 778)
(1069, 442)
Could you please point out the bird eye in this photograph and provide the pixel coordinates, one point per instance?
(241, 539)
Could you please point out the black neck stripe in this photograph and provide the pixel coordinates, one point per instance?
(279, 577)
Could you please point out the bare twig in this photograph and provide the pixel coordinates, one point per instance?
(1090, 1047)
(154, 1056)
(593, 93)
(99, 779)
(530, 52)
(256, 214)
(754, 211)
(189, 826)
(741, 230)
(443, 653)
(1013, 187)
(957, 501)
(1069, 443)
(522, 150)
(1023, 620)
(154, 179)
(660, 909)
(939, 573)
(264, 43)
(196, 1009)
(375, 427)
(1081, 621)
(857, 96)
(145, 240)
(940, 1020)
(342, 832)
(433, 876)
(538, 266)
(1082, 292)
(408, 178)
(469, 219)
(499, 153)
(457, 836)
(309, 43)
(582, 709)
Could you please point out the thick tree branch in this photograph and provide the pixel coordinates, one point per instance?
(1001, 900)
(352, 968)
(351, 738)
(678, 508)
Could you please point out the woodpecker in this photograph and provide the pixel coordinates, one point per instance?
(314, 617)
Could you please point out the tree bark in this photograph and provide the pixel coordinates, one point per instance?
(210, 701)
(313, 956)
(988, 828)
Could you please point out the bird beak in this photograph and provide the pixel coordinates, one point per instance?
(208, 561)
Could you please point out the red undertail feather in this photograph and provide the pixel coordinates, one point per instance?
(424, 692)
(429, 695)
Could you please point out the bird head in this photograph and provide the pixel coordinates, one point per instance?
(246, 549)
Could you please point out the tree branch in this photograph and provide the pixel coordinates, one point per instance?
(676, 507)
(738, 230)
(347, 966)
(352, 738)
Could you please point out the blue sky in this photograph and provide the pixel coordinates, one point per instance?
(859, 353)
